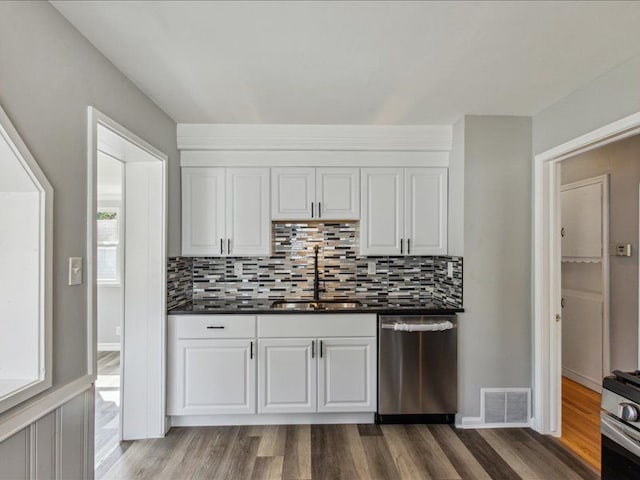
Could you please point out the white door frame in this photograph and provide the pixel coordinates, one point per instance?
(546, 268)
(95, 119)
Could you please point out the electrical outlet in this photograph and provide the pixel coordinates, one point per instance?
(118, 331)
(450, 269)
(237, 269)
(371, 268)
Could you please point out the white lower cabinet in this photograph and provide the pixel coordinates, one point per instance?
(287, 380)
(214, 376)
(276, 364)
(347, 375)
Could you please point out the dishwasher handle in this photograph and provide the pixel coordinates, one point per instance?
(418, 327)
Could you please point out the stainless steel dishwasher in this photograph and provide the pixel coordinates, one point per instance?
(417, 369)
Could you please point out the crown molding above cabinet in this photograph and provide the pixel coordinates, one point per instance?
(435, 138)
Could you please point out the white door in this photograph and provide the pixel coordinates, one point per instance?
(293, 194)
(203, 211)
(214, 376)
(248, 223)
(287, 379)
(425, 211)
(382, 220)
(347, 375)
(338, 193)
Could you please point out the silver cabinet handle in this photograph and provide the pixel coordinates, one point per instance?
(221, 247)
(251, 350)
(401, 246)
(311, 209)
(313, 348)
(320, 348)
(408, 246)
(215, 327)
(228, 246)
(319, 210)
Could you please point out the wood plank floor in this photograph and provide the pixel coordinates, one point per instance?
(581, 421)
(107, 444)
(348, 452)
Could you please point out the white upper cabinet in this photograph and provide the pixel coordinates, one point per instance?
(425, 223)
(338, 193)
(381, 224)
(315, 193)
(225, 211)
(293, 193)
(203, 211)
(404, 211)
(582, 220)
(248, 225)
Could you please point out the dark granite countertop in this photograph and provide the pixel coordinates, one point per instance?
(263, 306)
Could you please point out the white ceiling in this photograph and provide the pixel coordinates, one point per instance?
(357, 62)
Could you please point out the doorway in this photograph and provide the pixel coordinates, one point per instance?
(126, 268)
(547, 261)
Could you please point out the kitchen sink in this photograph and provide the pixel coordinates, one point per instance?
(316, 305)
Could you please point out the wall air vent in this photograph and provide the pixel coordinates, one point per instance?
(505, 406)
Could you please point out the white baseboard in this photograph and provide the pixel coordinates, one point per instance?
(477, 423)
(270, 419)
(581, 379)
(109, 347)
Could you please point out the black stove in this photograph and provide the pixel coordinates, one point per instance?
(620, 426)
(626, 384)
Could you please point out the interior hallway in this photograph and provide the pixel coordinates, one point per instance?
(581, 421)
(107, 445)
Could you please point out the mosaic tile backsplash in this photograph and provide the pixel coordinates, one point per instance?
(289, 271)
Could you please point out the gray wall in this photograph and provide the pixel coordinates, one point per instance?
(621, 160)
(612, 96)
(495, 330)
(49, 74)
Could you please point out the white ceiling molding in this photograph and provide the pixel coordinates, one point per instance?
(311, 158)
(408, 138)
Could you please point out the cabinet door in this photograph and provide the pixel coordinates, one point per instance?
(213, 376)
(425, 211)
(338, 193)
(248, 220)
(203, 211)
(293, 194)
(582, 208)
(287, 379)
(381, 224)
(347, 375)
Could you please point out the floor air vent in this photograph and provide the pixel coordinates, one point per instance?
(506, 406)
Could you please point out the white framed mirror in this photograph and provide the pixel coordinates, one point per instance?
(26, 219)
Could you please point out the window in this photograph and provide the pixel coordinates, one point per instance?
(26, 216)
(108, 229)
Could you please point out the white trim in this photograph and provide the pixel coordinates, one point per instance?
(314, 137)
(95, 118)
(31, 167)
(312, 158)
(109, 347)
(546, 351)
(581, 379)
(271, 419)
(31, 412)
(477, 423)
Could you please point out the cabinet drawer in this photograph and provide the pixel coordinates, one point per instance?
(317, 325)
(212, 326)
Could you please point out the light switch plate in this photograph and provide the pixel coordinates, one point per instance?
(75, 270)
(371, 268)
(237, 269)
